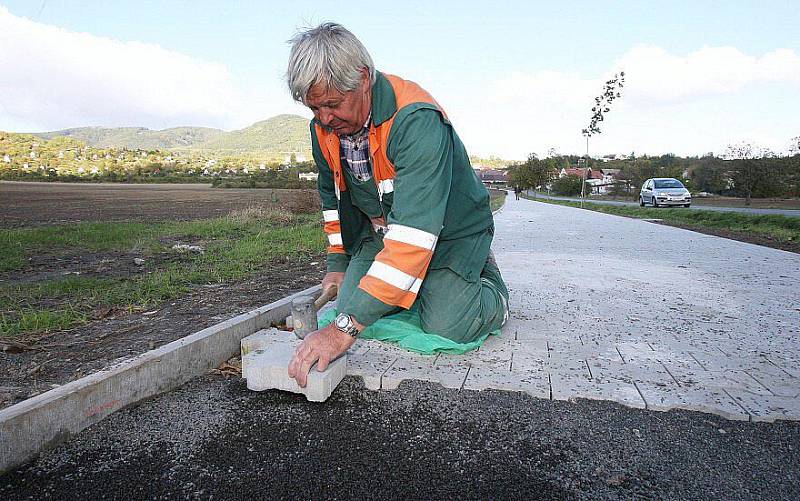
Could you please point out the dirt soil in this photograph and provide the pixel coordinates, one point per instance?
(741, 236)
(32, 364)
(34, 204)
(37, 363)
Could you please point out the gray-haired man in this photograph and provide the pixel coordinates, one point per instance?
(407, 220)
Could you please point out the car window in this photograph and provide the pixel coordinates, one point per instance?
(668, 183)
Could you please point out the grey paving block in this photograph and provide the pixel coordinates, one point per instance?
(372, 363)
(725, 380)
(529, 361)
(267, 369)
(423, 369)
(534, 383)
(768, 407)
(569, 386)
(633, 371)
(782, 385)
(663, 397)
(264, 338)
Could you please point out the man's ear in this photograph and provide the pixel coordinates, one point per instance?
(365, 80)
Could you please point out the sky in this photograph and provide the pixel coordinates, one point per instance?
(514, 77)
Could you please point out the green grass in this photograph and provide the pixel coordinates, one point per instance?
(780, 228)
(235, 248)
(497, 199)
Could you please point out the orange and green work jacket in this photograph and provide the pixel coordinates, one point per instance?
(436, 208)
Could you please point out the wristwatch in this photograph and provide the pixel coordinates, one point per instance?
(345, 324)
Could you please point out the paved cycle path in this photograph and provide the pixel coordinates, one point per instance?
(649, 315)
(611, 308)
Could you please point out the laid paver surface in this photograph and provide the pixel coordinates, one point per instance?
(612, 308)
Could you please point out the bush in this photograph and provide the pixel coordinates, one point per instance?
(569, 185)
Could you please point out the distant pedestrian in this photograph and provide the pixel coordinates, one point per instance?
(517, 191)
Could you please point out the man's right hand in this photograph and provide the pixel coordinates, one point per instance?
(332, 278)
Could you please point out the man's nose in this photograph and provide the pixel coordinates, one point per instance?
(326, 117)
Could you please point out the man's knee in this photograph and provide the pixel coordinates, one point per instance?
(454, 327)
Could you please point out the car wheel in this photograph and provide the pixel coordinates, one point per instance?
(687, 205)
(654, 202)
(641, 202)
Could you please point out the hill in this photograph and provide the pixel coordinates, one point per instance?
(279, 134)
(136, 137)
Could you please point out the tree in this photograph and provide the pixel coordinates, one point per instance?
(708, 174)
(747, 173)
(569, 185)
(531, 174)
(602, 105)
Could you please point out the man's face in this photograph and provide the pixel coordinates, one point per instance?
(346, 112)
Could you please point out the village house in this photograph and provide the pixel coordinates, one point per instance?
(600, 180)
(492, 176)
(309, 176)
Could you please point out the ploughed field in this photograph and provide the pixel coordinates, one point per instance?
(32, 204)
(91, 273)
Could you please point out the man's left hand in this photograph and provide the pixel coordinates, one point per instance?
(322, 346)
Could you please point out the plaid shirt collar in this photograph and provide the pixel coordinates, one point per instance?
(354, 149)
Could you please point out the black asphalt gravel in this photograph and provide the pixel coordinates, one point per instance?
(212, 438)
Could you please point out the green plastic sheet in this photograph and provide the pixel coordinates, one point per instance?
(404, 329)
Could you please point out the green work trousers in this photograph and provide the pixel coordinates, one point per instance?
(448, 305)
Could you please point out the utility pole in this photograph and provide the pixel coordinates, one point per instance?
(601, 107)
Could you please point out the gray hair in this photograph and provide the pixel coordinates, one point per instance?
(327, 54)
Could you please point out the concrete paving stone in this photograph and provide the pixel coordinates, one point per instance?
(788, 366)
(267, 370)
(264, 338)
(782, 385)
(663, 397)
(360, 347)
(768, 407)
(527, 361)
(534, 383)
(634, 349)
(569, 386)
(714, 363)
(729, 379)
(371, 364)
(649, 370)
(423, 369)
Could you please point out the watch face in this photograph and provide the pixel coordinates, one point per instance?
(342, 321)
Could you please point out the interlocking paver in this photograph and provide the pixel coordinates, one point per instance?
(535, 383)
(422, 368)
(266, 369)
(767, 407)
(667, 396)
(372, 364)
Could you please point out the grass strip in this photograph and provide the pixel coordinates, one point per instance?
(234, 248)
(780, 228)
(496, 199)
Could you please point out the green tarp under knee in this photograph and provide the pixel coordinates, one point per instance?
(404, 329)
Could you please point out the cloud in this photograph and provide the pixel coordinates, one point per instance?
(52, 78)
(654, 75)
(671, 103)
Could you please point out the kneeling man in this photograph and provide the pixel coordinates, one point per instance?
(407, 219)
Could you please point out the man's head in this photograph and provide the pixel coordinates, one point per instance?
(331, 72)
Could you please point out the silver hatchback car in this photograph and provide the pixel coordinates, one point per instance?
(663, 191)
